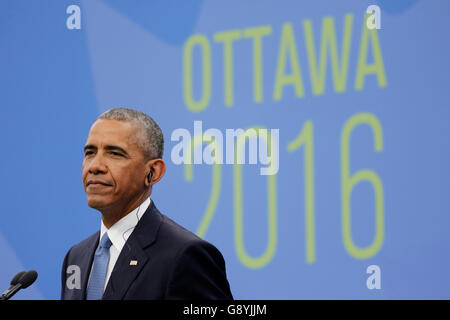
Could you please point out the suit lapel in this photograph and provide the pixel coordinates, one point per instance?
(132, 258)
(85, 266)
(125, 271)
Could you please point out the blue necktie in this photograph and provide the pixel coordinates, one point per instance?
(98, 274)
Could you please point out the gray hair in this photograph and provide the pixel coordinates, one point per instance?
(151, 139)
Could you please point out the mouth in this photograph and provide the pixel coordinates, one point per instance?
(97, 184)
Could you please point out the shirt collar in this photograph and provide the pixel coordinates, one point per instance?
(122, 229)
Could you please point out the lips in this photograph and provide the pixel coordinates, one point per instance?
(97, 183)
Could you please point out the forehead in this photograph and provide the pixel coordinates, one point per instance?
(105, 131)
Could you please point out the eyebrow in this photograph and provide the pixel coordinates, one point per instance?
(108, 147)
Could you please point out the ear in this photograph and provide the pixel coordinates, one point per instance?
(158, 168)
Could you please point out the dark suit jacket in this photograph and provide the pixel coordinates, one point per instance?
(172, 263)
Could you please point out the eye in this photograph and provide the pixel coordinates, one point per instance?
(87, 153)
(116, 154)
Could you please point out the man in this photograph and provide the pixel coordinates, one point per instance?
(138, 253)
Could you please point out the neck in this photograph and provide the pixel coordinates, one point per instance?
(111, 215)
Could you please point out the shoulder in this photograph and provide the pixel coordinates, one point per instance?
(187, 248)
(165, 229)
(196, 269)
(177, 243)
(182, 239)
(173, 229)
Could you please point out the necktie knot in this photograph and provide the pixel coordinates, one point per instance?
(105, 242)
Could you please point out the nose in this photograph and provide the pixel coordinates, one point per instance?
(96, 165)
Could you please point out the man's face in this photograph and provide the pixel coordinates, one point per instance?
(113, 167)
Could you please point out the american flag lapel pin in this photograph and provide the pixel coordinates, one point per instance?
(133, 263)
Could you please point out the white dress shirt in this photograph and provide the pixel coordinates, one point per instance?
(119, 233)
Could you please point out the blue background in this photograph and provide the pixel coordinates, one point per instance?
(54, 83)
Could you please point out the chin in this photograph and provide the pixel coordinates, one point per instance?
(97, 202)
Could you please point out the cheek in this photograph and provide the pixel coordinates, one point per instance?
(83, 169)
(83, 174)
(126, 180)
(123, 180)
